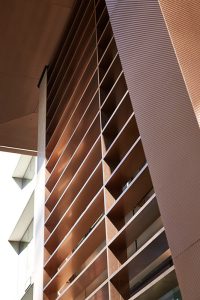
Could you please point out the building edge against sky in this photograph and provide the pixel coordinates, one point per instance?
(102, 150)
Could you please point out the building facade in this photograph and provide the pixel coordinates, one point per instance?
(104, 235)
(22, 238)
(116, 210)
(18, 254)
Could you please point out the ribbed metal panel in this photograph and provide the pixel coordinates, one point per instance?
(186, 41)
(166, 120)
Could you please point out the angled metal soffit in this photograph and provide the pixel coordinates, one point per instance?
(167, 123)
(30, 33)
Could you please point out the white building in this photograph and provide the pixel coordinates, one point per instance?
(18, 178)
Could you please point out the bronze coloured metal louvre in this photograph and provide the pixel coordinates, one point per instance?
(104, 237)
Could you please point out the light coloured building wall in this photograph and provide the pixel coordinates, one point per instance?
(13, 201)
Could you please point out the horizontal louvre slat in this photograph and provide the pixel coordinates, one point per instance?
(80, 222)
(74, 91)
(151, 255)
(94, 274)
(78, 134)
(60, 134)
(54, 67)
(76, 64)
(75, 185)
(77, 258)
(70, 38)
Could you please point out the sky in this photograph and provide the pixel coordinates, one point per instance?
(11, 206)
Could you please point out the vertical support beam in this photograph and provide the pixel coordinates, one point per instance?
(40, 193)
(168, 128)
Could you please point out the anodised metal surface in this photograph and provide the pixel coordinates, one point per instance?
(184, 32)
